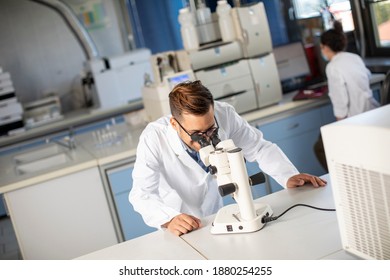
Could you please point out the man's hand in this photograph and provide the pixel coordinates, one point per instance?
(182, 224)
(303, 178)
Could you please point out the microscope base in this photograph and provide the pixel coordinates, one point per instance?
(228, 219)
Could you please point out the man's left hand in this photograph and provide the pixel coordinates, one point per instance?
(303, 178)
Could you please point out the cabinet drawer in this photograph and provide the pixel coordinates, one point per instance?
(291, 126)
(214, 56)
(232, 87)
(224, 74)
(242, 102)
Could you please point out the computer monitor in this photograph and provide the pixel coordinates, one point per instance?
(358, 158)
(293, 66)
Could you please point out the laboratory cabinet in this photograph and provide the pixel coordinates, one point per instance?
(62, 218)
(296, 135)
(118, 176)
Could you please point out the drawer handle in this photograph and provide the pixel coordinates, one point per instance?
(295, 125)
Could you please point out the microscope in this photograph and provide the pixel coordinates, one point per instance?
(227, 162)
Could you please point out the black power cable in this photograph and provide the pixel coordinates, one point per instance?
(267, 219)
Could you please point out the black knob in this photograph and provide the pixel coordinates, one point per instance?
(213, 169)
(227, 189)
(257, 179)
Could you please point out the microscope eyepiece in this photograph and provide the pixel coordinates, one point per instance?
(215, 138)
(203, 142)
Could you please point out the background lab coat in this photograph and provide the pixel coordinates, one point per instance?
(349, 85)
(167, 181)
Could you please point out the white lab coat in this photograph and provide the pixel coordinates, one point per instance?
(349, 85)
(167, 181)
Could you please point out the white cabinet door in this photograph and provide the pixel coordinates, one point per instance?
(62, 218)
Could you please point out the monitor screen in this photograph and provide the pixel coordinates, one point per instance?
(292, 64)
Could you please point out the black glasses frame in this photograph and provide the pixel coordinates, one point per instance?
(208, 133)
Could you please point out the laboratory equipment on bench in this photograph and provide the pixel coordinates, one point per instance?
(109, 82)
(240, 69)
(118, 80)
(226, 161)
(169, 69)
(357, 153)
(11, 111)
(156, 96)
(252, 29)
(43, 111)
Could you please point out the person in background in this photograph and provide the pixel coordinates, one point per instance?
(348, 80)
(172, 188)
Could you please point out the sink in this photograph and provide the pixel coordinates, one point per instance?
(39, 153)
(41, 158)
(43, 163)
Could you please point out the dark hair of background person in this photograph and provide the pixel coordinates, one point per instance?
(190, 97)
(335, 38)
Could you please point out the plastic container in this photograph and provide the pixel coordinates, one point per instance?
(203, 14)
(188, 30)
(225, 21)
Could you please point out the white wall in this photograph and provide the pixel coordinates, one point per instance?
(42, 54)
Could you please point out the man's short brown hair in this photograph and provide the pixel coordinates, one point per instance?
(190, 97)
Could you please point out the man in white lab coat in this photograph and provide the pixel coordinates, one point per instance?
(171, 187)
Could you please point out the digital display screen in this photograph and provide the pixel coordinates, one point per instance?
(178, 79)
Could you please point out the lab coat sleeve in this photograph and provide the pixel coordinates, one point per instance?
(145, 194)
(268, 155)
(337, 92)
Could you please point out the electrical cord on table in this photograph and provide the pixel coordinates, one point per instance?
(267, 219)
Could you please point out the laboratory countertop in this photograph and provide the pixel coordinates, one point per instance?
(71, 120)
(12, 178)
(301, 234)
(103, 147)
(156, 245)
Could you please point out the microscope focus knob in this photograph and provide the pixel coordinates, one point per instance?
(213, 169)
(227, 189)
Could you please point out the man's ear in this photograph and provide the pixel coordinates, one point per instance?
(174, 124)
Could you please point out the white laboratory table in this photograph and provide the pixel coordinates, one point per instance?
(160, 245)
(301, 234)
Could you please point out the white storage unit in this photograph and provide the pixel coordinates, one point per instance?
(79, 220)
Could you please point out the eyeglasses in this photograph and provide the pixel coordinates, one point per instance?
(208, 133)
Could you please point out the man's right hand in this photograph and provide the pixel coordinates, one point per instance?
(182, 224)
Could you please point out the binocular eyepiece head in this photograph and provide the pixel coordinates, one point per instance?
(205, 141)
